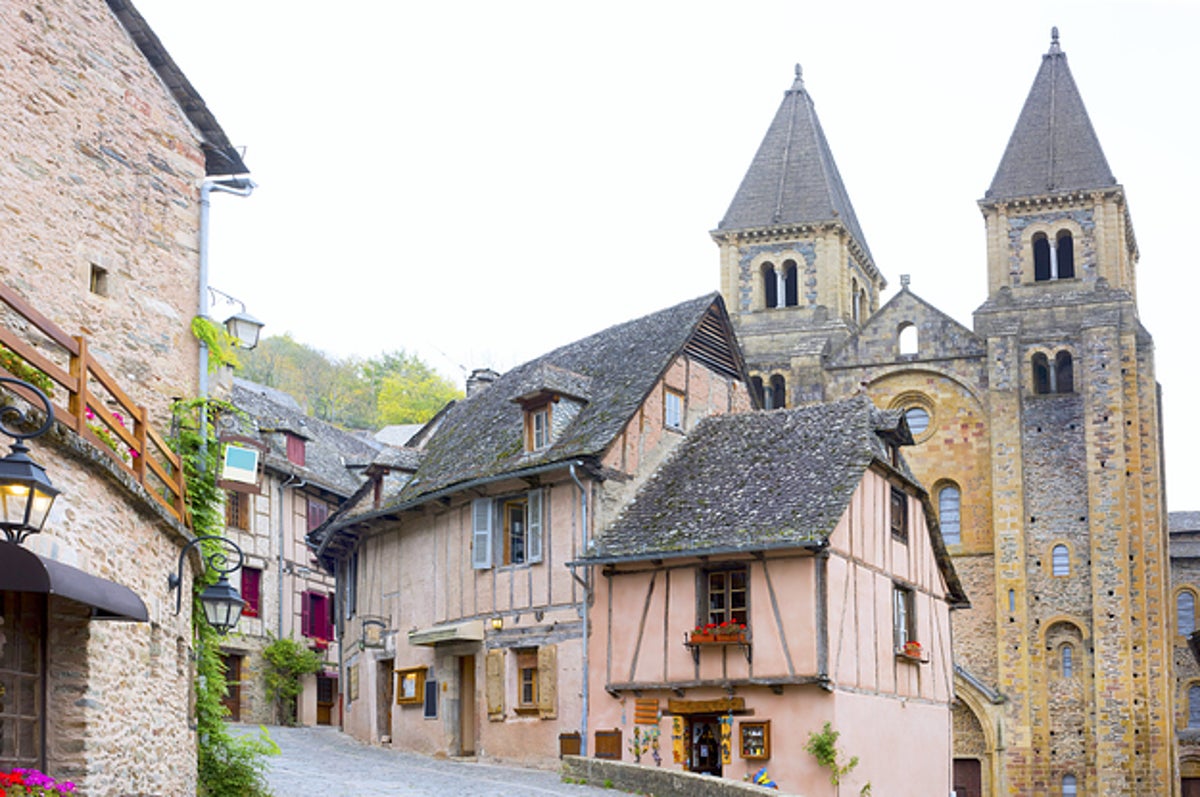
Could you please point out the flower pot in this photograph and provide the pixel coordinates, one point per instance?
(698, 639)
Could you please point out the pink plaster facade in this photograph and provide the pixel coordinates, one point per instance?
(822, 648)
(416, 575)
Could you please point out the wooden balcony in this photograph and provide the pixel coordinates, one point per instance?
(96, 407)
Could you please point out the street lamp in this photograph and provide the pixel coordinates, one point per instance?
(26, 493)
(221, 601)
(242, 326)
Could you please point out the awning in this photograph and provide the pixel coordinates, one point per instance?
(22, 570)
(469, 631)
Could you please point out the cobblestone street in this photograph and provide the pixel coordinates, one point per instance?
(321, 760)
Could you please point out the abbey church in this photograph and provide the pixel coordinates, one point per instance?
(1038, 433)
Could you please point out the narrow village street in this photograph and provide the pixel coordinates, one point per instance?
(323, 760)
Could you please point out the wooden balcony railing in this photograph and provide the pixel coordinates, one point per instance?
(97, 408)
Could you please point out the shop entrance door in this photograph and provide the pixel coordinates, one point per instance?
(705, 735)
(326, 689)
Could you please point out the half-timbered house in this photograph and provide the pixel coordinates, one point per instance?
(782, 570)
(463, 632)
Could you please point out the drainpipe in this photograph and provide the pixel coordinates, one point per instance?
(587, 592)
(291, 481)
(822, 586)
(239, 186)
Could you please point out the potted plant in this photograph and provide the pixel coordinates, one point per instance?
(727, 631)
(912, 649)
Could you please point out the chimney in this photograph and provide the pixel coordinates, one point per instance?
(479, 379)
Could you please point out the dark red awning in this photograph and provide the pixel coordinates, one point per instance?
(22, 570)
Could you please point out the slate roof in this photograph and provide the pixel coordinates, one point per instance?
(793, 178)
(220, 157)
(757, 481)
(1053, 148)
(333, 458)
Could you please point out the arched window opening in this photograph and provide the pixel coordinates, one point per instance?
(1041, 257)
(1060, 561)
(854, 306)
(1185, 612)
(1042, 375)
(1068, 786)
(864, 307)
(770, 285)
(778, 392)
(791, 284)
(756, 384)
(949, 509)
(1194, 706)
(1065, 249)
(1064, 376)
(918, 420)
(1067, 658)
(908, 338)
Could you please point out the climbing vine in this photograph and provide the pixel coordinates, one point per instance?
(221, 344)
(287, 662)
(228, 766)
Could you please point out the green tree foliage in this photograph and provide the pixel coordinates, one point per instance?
(393, 387)
(288, 661)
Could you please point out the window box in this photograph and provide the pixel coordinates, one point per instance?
(912, 651)
(718, 636)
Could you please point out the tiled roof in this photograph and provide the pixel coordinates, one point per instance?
(1053, 148)
(793, 178)
(753, 481)
(333, 458)
(1179, 522)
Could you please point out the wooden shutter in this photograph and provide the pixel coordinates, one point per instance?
(481, 523)
(533, 527)
(547, 665)
(306, 614)
(495, 684)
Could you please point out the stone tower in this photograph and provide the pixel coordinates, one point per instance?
(1038, 435)
(796, 273)
(1078, 514)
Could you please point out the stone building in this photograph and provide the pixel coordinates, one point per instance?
(1038, 433)
(307, 469)
(1185, 590)
(104, 150)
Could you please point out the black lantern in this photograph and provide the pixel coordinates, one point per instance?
(26, 493)
(221, 601)
(244, 328)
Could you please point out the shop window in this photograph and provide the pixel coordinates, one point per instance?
(295, 449)
(899, 515)
(237, 510)
(673, 409)
(904, 619)
(949, 512)
(509, 527)
(726, 594)
(251, 591)
(1060, 561)
(1185, 612)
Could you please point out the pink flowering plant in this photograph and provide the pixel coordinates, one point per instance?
(106, 435)
(32, 783)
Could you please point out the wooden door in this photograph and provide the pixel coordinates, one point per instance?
(326, 689)
(466, 705)
(968, 777)
(233, 686)
(1190, 787)
(385, 694)
(706, 745)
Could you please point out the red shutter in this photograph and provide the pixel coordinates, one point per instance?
(317, 512)
(251, 590)
(306, 614)
(295, 449)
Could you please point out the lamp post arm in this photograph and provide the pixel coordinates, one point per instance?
(218, 560)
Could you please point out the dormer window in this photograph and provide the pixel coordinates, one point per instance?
(538, 432)
(295, 449)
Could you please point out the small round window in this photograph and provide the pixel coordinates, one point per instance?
(918, 420)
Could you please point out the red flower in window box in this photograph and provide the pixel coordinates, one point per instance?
(317, 643)
(912, 649)
(727, 631)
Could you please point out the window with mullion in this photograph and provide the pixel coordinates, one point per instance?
(727, 594)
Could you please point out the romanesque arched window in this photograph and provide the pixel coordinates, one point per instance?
(854, 306)
(778, 392)
(1064, 375)
(1194, 706)
(1069, 786)
(770, 285)
(1042, 376)
(949, 509)
(791, 284)
(1066, 655)
(1185, 612)
(1065, 250)
(1041, 257)
(907, 338)
(1060, 561)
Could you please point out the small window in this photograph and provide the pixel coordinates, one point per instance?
(855, 307)
(350, 600)
(778, 392)
(908, 341)
(899, 514)
(791, 284)
(237, 510)
(1185, 612)
(295, 449)
(527, 678)
(673, 409)
(904, 620)
(949, 509)
(1042, 375)
(1194, 706)
(317, 512)
(515, 522)
(756, 386)
(1065, 251)
(1041, 257)
(918, 420)
(315, 616)
(1064, 376)
(726, 596)
(1067, 659)
(98, 280)
(1068, 786)
(770, 285)
(1060, 559)
(431, 699)
(251, 591)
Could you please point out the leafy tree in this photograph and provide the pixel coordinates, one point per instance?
(287, 662)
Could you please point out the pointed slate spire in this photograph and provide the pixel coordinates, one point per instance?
(1053, 148)
(793, 178)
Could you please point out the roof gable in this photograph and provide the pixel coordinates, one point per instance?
(793, 178)
(1053, 148)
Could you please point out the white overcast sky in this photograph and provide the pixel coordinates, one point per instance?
(479, 182)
